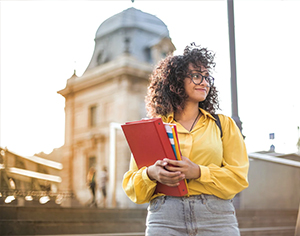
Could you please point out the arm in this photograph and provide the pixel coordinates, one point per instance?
(231, 178)
(140, 184)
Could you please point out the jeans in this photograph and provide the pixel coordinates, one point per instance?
(198, 215)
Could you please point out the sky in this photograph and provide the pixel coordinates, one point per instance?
(43, 42)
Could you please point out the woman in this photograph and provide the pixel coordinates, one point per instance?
(182, 92)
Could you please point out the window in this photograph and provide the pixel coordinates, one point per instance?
(148, 55)
(99, 59)
(108, 111)
(93, 116)
(19, 163)
(164, 54)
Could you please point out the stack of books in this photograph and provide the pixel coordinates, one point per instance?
(150, 140)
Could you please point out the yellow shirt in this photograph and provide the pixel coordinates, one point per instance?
(223, 162)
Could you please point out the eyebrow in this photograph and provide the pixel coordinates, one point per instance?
(199, 71)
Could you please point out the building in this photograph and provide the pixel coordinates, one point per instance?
(110, 92)
(29, 180)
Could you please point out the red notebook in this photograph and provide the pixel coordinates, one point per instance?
(149, 142)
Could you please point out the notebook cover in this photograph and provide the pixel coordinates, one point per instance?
(149, 142)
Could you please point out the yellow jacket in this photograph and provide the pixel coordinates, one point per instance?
(223, 162)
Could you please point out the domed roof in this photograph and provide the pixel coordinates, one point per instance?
(135, 18)
(132, 32)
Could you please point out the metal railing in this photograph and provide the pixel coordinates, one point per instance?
(278, 160)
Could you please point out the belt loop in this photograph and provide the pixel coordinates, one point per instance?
(203, 198)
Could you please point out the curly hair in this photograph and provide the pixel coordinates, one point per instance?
(166, 93)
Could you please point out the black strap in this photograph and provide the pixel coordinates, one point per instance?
(218, 123)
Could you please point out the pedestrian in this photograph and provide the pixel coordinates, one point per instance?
(215, 165)
(102, 184)
(91, 182)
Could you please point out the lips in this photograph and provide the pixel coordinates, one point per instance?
(201, 89)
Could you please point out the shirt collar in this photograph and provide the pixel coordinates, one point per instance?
(206, 114)
(170, 118)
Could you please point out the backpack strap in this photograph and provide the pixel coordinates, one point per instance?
(218, 123)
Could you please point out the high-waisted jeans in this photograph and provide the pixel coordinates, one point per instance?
(199, 215)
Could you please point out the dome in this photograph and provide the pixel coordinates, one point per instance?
(133, 18)
(138, 34)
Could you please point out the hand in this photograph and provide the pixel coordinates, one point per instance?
(159, 172)
(185, 166)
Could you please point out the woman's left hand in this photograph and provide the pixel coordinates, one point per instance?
(185, 166)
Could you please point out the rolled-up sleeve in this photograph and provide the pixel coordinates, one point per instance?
(230, 178)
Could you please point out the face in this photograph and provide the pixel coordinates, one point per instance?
(196, 93)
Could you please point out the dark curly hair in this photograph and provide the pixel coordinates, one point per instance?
(166, 92)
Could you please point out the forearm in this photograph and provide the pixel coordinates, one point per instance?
(224, 182)
(137, 185)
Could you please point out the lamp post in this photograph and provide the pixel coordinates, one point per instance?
(234, 98)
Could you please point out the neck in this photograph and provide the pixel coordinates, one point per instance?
(188, 117)
(189, 113)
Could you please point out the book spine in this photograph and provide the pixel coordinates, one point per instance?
(160, 128)
(176, 140)
(176, 143)
(171, 138)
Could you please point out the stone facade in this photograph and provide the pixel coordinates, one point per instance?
(110, 91)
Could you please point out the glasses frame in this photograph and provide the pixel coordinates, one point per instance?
(209, 79)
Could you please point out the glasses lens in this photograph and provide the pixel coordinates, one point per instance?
(210, 80)
(196, 77)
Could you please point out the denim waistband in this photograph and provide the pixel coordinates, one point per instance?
(194, 197)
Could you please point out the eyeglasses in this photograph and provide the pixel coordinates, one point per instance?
(197, 79)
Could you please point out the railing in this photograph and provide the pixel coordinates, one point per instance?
(265, 157)
(10, 195)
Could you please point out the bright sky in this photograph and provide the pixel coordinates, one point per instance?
(42, 42)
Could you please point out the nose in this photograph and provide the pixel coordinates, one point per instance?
(205, 83)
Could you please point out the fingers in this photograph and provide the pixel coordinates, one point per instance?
(172, 162)
(159, 172)
(161, 163)
(174, 165)
(185, 166)
(168, 164)
(170, 178)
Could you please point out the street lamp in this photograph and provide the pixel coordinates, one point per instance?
(234, 98)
